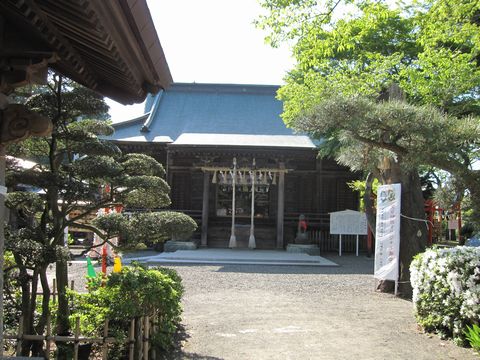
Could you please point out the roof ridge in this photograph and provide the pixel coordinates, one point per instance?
(130, 121)
(156, 104)
(224, 88)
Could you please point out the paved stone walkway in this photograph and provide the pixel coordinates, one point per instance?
(228, 256)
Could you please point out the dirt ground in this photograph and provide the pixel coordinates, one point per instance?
(281, 312)
(297, 312)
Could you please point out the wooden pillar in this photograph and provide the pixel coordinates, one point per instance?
(206, 194)
(233, 239)
(3, 194)
(251, 239)
(280, 206)
(168, 172)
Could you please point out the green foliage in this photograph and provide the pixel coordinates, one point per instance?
(147, 192)
(74, 164)
(112, 224)
(28, 202)
(160, 226)
(141, 164)
(395, 127)
(366, 131)
(132, 293)
(473, 336)
(146, 228)
(79, 172)
(446, 290)
(11, 293)
(359, 186)
(140, 246)
(429, 47)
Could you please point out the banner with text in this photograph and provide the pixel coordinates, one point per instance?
(387, 247)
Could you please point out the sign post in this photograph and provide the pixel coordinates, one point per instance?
(387, 247)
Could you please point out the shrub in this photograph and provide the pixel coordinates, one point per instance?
(473, 337)
(12, 293)
(160, 226)
(446, 290)
(132, 293)
(141, 246)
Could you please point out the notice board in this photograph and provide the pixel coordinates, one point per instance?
(348, 222)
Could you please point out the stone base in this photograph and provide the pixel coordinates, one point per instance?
(173, 245)
(303, 248)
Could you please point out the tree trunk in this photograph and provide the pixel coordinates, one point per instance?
(413, 233)
(63, 326)
(368, 201)
(32, 309)
(473, 185)
(27, 317)
(37, 346)
(63, 310)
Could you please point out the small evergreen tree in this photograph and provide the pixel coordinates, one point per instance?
(78, 172)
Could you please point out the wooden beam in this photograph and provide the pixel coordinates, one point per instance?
(206, 193)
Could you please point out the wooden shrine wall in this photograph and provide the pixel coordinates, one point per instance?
(313, 187)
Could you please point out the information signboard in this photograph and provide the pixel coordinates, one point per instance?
(348, 222)
(387, 247)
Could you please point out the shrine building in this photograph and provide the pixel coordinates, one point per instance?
(224, 144)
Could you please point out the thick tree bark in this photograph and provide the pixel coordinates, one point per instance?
(37, 346)
(24, 279)
(63, 311)
(413, 233)
(368, 201)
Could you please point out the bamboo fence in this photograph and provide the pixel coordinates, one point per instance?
(139, 340)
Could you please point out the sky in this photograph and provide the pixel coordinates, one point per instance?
(212, 41)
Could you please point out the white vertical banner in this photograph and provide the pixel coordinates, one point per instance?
(387, 247)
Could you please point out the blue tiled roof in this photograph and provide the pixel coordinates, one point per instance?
(207, 109)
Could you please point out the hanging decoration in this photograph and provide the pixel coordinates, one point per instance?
(90, 269)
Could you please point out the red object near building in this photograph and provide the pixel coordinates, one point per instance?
(303, 225)
(104, 259)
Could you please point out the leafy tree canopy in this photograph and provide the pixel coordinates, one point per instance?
(353, 54)
(350, 52)
(431, 48)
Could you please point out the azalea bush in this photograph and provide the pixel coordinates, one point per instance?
(446, 290)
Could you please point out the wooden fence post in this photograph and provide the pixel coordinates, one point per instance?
(139, 336)
(146, 328)
(154, 328)
(77, 335)
(105, 344)
(49, 333)
(131, 340)
(19, 336)
(54, 291)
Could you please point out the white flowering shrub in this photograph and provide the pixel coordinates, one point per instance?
(446, 290)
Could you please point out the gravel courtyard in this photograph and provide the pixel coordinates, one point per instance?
(298, 312)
